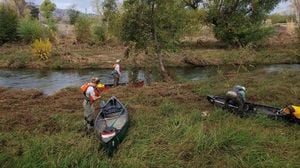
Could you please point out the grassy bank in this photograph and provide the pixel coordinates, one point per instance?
(265, 55)
(85, 56)
(167, 128)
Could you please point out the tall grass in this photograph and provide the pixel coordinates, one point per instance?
(167, 131)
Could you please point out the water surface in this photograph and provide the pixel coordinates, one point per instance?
(51, 81)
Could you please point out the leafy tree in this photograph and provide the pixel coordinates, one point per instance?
(154, 24)
(98, 33)
(98, 7)
(8, 24)
(109, 9)
(34, 11)
(110, 12)
(194, 4)
(237, 22)
(73, 15)
(30, 30)
(296, 6)
(20, 6)
(83, 29)
(47, 8)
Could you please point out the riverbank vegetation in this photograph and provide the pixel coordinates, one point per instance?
(172, 125)
(165, 33)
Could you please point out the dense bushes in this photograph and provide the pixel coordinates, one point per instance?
(98, 34)
(8, 24)
(30, 29)
(238, 23)
(83, 29)
(73, 15)
(86, 32)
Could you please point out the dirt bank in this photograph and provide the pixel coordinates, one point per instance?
(268, 55)
(30, 110)
(85, 56)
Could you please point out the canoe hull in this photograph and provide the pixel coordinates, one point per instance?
(253, 109)
(111, 146)
(111, 125)
(220, 102)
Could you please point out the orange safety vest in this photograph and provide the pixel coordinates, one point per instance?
(85, 86)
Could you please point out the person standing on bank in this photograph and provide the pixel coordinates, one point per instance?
(91, 93)
(116, 72)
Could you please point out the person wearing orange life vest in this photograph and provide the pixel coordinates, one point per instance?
(116, 72)
(293, 111)
(91, 93)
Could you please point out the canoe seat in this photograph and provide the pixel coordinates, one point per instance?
(112, 112)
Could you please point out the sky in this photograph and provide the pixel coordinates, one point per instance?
(86, 5)
(81, 5)
(284, 7)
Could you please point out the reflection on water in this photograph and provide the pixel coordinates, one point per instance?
(52, 81)
(281, 67)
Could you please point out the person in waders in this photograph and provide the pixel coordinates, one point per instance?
(91, 93)
(116, 72)
(293, 112)
(237, 97)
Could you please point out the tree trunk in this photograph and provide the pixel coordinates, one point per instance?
(157, 46)
(297, 10)
(161, 64)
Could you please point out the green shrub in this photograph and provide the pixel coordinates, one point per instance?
(98, 34)
(8, 24)
(30, 29)
(114, 27)
(73, 15)
(235, 23)
(52, 25)
(83, 29)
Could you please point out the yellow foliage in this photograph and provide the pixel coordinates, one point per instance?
(42, 49)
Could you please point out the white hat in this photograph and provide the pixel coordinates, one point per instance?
(118, 60)
(95, 80)
(239, 87)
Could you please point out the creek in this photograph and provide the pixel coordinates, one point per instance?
(51, 81)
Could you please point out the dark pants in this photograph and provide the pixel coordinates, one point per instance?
(116, 79)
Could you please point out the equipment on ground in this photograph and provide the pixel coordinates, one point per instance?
(252, 109)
